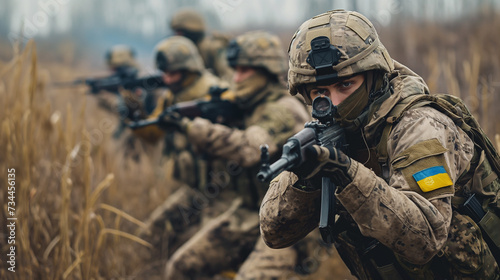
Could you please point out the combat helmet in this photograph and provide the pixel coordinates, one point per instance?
(258, 49)
(189, 23)
(178, 53)
(331, 46)
(120, 56)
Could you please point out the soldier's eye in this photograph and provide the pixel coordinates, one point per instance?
(346, 84)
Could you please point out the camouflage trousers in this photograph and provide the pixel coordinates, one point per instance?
(220, 240)
(230, 247)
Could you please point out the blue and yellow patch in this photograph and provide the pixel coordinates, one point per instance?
(432, 178)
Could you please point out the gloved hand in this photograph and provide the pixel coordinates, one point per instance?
(325, 162)
(173, 120)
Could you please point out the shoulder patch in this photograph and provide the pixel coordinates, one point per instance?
(424, 168)
(432, 178)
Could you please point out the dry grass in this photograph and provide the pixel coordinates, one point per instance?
(80, 199)
(459, 58)
(73, 222)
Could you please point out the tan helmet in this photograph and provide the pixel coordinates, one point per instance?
(120, 56)
(188, 20)
(258, 49)
(334, 45)
(178, 53)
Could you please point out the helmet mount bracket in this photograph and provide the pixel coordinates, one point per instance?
(322, 57)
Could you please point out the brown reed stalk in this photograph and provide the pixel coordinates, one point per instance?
(432, 62)
(485, 102)
(471, 73)
(88, 207)
(450, 76)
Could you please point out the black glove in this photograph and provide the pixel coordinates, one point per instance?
(173, 120)
(325, 162)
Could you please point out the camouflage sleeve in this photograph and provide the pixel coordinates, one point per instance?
(152, 133)
(403, 215)
(287, 214)
(229, 143)
(271, 124)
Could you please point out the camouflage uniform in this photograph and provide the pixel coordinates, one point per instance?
(190, 23)
(389, 226)
(172, 223)
(271, 117)
(130, 105)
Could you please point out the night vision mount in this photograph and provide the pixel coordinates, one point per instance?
(322, 57)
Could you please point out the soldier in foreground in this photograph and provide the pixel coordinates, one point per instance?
(404, 183)
(190, 24)
(231, 241)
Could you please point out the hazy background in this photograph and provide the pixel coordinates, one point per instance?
(92, 26)
(81, 194)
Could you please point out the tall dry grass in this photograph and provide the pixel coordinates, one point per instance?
(72, 220)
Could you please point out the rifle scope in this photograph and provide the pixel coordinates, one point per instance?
(323, 109)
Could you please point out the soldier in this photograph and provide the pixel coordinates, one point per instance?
(398, 216)
(189, 23)
(130, 106)
(187, 79)
(120, 60)
(269, 117)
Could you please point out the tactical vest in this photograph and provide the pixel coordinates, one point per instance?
(476, 208)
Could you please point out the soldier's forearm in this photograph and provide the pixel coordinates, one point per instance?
(242, 146)
(287, 214)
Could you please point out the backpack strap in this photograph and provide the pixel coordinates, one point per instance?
(392, 118)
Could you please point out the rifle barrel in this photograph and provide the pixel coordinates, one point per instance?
(284, 163)
(143, 123)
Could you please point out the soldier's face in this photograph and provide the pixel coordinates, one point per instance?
(171, 77)
(242, 73)
(338, 91)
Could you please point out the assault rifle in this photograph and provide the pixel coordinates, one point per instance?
(215, 109)
(324, 132)
(113, 85)
(122, 79)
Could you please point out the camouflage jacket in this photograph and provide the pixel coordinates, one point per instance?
(187, 167)
(272, 121)
(398, 212)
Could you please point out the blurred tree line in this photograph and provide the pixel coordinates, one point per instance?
(95, 25)
(149, 18)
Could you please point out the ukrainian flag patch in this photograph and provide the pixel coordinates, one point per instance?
(432, 178)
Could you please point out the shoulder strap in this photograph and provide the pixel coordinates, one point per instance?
(393, 117)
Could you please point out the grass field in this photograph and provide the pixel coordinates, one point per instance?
(79, 200)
